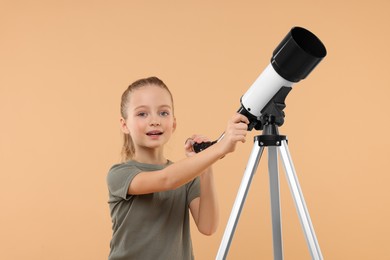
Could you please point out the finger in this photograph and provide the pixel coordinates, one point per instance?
(200, 139)
(242, 132)
(237, 118)
(188, 147)
(189, 141)
(240, 138)
(243, 119)
(242, 126)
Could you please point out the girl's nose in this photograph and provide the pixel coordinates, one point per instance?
(154, 122)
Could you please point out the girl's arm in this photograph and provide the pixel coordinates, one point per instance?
(181, 172)
(204, 209)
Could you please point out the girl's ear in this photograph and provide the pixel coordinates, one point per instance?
(174, 124)
(124, 126)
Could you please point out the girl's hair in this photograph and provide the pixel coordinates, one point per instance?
(128, 150)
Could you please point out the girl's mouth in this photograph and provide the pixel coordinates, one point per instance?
(154, 133)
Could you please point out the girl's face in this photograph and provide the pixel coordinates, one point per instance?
(150, 121)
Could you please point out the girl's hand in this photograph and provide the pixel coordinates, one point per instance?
(188, 146)
(236, 131)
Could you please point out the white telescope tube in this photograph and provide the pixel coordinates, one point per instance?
(262, 90)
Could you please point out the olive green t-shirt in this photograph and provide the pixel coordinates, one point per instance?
(151, 226)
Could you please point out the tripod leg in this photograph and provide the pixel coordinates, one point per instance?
(300, 202)
(275, 202)
(239, 202)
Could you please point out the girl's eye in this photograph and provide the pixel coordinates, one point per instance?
(142, 114)
(164, 113)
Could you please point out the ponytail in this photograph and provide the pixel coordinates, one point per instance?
(127, 148)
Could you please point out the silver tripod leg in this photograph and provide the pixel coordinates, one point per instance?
(250, 170)
(275, 202)
(300, 202)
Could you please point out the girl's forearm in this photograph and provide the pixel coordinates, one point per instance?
(208, 217)
(176, 174)
(187, 169)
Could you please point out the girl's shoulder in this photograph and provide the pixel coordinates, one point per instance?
(137, 165)
(120, 167)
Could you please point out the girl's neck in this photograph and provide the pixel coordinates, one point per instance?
(150, 157)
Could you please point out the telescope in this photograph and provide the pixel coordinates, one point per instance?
(293, 59)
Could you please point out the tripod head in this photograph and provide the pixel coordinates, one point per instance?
(272, 117)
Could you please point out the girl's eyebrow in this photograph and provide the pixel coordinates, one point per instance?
(165, 106)
(140, 107)
(145, 107)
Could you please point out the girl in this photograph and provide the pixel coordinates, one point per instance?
(149, 196)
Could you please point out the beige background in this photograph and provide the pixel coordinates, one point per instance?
(64, 65)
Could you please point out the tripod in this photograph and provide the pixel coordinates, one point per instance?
(271, 139)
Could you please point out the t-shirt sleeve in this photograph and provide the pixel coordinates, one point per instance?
(119, 178)
(193, 190)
